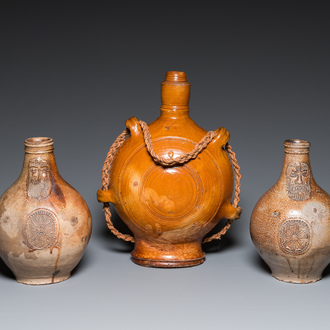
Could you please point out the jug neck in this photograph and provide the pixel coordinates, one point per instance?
(175, 94)
(39, 158)
(296, 171)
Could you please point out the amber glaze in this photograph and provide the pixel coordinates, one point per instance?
(290, 224)
(171, 209)
(45, 224)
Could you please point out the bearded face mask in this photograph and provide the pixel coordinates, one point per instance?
(39, 183)
(298, 181)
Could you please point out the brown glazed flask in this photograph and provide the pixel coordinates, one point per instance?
(290, 224)
(170, 208)
(45, 224)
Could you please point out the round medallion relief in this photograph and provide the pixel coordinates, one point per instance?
(295, 236)
(41, 230)
(171, 193)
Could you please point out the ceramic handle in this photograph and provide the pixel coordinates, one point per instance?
(221, 138)
(105, 196)
(134, 127)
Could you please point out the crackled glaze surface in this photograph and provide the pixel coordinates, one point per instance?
(45, 224)
(290, 224)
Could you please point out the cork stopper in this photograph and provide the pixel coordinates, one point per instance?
(175, 91)
(296, 146)
(39, 145)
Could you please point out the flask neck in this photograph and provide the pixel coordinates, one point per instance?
(296, 171)
(175, 94)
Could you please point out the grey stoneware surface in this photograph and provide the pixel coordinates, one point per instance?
(76, 70)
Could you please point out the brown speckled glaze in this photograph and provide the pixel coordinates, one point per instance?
(290, 224)
(45, 224)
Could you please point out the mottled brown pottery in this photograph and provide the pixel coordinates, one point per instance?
(171, 208)
(290, 224)
(45, 225)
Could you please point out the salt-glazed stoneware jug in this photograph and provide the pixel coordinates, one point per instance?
(45, 224)
(171, 182)
(290, 224)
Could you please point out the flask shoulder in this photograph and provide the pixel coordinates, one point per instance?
(176, 123)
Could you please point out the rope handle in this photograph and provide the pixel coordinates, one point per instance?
(166, 162)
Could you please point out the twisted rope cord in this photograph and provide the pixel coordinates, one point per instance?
(236, 199)
(106, 183)
(202, 144)
(165, 162)
(109, 159)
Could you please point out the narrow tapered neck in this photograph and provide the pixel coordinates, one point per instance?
(39, 153)
(296, 146)
(175, 94)
(39, 145)
(296, 150)
(297, 177)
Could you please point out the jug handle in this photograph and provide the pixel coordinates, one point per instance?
(105, 195)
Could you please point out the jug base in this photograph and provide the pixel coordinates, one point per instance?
(296, 280)
(42, 281)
